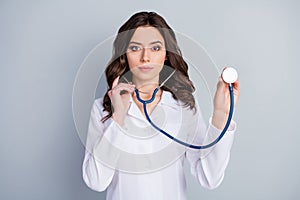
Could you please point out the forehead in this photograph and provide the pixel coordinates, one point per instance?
(146, 35)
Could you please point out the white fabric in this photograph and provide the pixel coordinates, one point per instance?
(166, 183)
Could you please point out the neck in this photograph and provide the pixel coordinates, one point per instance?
(145, 87)
(146, 94)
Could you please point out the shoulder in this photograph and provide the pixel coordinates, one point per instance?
(99, 103)
(98, 106)
(167, 99)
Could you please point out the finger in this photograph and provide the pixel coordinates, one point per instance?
(221, 82)
(109, 93)
(122, 89)
(115, 83)
(124, 86)
(236, 85)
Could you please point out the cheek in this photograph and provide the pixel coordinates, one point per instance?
(132, 60)
(160, 58)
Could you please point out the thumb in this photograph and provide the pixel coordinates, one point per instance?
(115, 83)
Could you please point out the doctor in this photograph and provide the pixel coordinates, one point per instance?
(145, 44)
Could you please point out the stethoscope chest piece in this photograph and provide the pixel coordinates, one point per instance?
(229, 75)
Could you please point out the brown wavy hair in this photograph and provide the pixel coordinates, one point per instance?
(179, 84)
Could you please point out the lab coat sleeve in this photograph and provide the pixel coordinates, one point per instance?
(208, 165)
(96, 175)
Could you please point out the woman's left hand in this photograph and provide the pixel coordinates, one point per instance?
(222, 102)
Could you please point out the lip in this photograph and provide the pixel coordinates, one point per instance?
(145, 68)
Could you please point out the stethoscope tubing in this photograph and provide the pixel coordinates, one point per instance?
(145, 102)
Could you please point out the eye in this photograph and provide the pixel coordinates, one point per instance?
(134, 48)
(156, 48)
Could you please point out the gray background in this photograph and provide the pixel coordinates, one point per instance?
(42, 45)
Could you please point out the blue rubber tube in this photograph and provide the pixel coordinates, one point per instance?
(145, 102)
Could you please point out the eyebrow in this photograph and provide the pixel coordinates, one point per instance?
(154, 42)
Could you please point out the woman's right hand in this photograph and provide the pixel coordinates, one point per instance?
(120, 101)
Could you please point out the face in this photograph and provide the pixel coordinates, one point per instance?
(146, 54)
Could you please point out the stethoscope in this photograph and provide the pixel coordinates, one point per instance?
(229, 75)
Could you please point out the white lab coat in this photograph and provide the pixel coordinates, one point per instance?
(163, 179)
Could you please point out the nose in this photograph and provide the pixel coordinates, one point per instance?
(145, 55)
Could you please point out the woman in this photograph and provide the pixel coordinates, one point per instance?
(145, 50)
